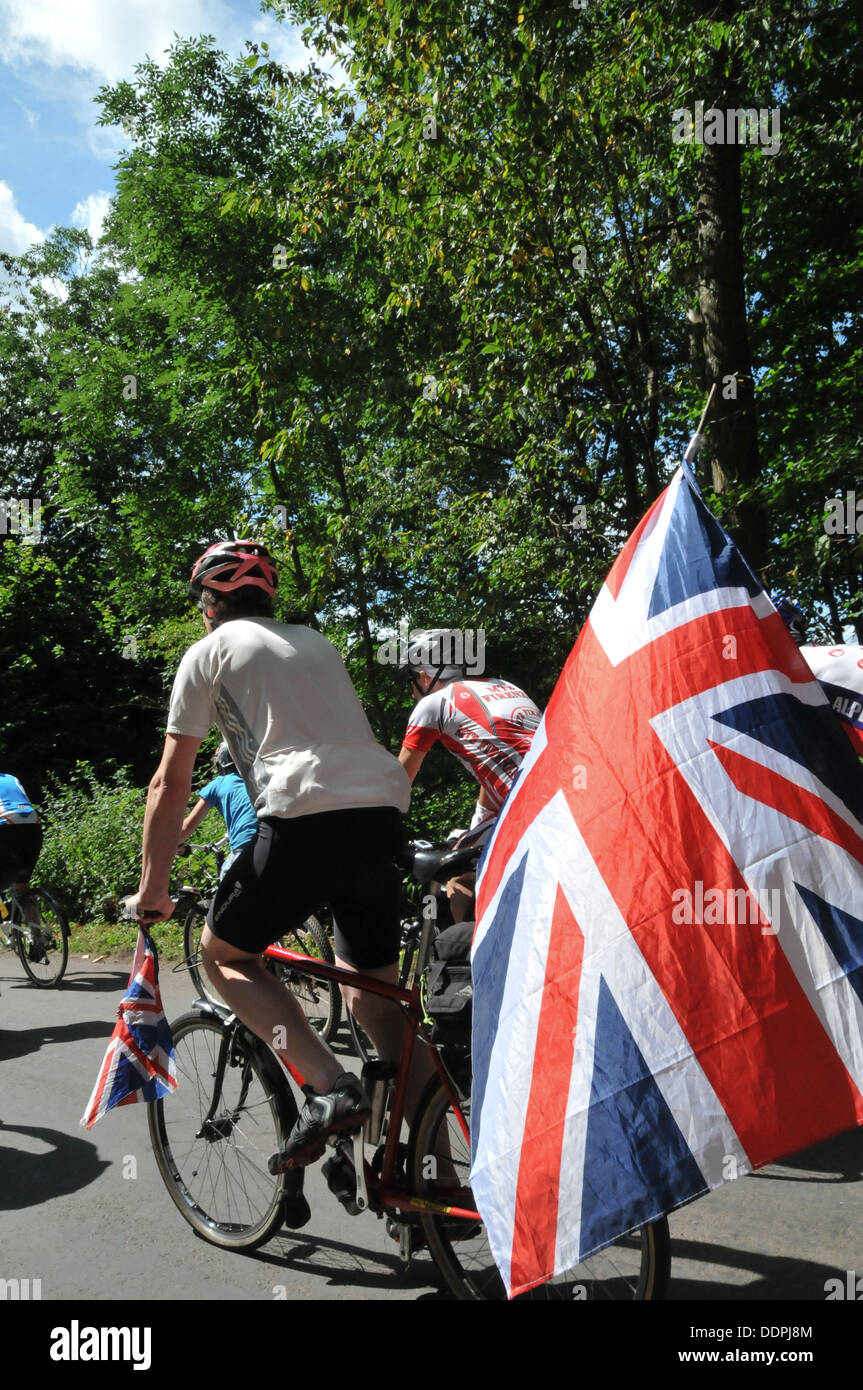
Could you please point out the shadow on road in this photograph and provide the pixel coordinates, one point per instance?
(27, 1179)
(112, 981)
(22, 1042)
(350, 1266)
(781, 1277)
(835, 1160)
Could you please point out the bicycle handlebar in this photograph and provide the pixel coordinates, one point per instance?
(128, 915)
(215, 848)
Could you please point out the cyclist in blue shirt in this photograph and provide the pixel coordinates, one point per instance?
(227, 792)
(20, 838)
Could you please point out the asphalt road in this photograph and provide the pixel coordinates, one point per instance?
(87, 1215)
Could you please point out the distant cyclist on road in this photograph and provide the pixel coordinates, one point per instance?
(227, 792)
(488, 724)
(328, 799)
(20, 838)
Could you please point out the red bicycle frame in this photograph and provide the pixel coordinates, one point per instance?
(384, 1189)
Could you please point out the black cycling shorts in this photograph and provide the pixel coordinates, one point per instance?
(296, 864)
(20, 846)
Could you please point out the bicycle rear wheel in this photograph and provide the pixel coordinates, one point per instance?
(193, 924)
(43, 946)
(216, 1169)
(635, 1267)
(362, 1043)
(321, 999)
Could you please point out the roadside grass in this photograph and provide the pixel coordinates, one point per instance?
(116, 940)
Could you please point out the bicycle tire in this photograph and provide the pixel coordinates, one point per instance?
(635, 1268)
(321, 1000)
(360, 1041)
(219, 1182)
(193, 924)
(46, 954)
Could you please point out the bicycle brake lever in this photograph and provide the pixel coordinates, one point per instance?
(129, 913)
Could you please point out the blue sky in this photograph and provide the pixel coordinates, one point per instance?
(55, 162)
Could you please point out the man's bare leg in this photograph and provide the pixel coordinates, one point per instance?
(460, 892)
(385, 1024)
(269, 1010)
(29, 908)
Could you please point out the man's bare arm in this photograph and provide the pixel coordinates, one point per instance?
(167, 799)
(411, 760)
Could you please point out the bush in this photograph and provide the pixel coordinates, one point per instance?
(91, 856)
(436, 810)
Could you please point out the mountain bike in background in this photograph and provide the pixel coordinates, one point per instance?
(39, 931)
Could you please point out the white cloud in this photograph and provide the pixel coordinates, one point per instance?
(101, 36)
(285, 43)
(16, 233)
(91, 212)
(32, 117)
(107, 142)
(105, 39)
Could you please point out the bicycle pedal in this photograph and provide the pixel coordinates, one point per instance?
(406, 1237)
(341, 1180)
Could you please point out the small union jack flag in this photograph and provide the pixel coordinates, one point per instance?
(139, 1062)
(668, 958)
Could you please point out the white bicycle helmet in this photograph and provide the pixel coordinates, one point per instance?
(434, 651)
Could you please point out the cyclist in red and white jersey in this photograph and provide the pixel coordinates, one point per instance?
(486, 723)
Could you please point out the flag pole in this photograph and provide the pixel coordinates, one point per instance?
(698, 441)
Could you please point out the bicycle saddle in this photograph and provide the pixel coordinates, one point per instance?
(427, 862)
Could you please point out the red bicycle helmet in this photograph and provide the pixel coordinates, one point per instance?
(231, 565)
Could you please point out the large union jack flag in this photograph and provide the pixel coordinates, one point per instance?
(139, 1062)
(668, 959)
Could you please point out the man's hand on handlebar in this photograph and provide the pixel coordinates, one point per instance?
(156, 910)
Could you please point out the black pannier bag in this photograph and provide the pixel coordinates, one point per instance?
(448, 988)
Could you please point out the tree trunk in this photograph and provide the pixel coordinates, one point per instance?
(373, 670)
(733, 445)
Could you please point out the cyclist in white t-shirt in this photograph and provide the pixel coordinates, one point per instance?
(329, 800)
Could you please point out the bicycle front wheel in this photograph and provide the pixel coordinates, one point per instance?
(216, 1169)
(43, 943)
(635, 1267)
